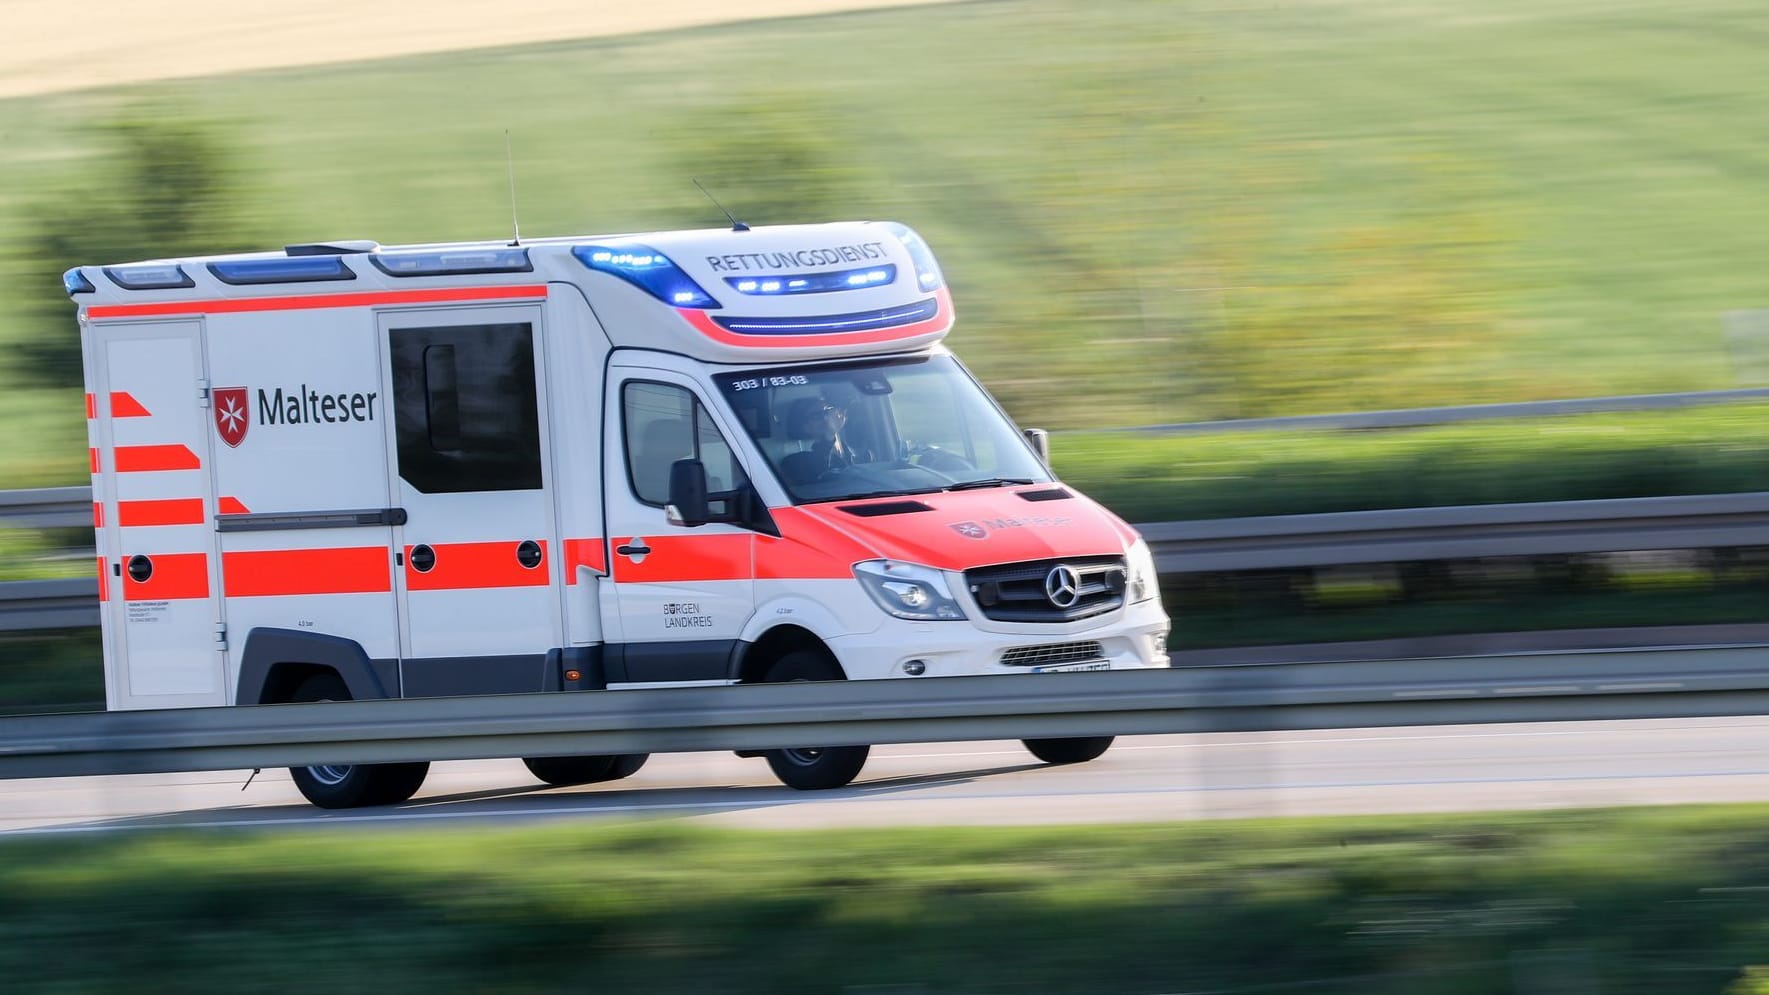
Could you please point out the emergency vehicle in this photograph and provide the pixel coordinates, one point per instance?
(349, 471)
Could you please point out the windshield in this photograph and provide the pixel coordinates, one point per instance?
(883, 427)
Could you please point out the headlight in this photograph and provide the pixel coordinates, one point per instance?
(1144, 582)
(908, 591)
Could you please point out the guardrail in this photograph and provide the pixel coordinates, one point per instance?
(1282, 541)
(1525, 688)
(1461, 532)
(26, 605)
(47, 507)
(1419, 417)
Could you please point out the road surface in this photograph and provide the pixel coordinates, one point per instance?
(1143, 779)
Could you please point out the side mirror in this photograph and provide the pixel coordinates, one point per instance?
(688, 504)
(1040, 440)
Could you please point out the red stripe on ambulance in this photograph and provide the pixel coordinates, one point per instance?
(263, 573)
(143, 459)
(592, 553)
(176, 511)
(174, 577)
(686, 558)
(462, 566)
(437, 295)
(941, 321)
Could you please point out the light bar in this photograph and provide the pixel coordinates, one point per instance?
(453, 262)
(150, 276)
(927, 271)
(75, 282)
(647, 269)
(814, 283)
(859, 321)
(300, 269)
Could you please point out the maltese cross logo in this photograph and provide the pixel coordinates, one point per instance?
(970, 530)
(232, 416)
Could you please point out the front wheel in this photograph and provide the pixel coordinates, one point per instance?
(351, 785)
(563, 771)
(1078, 750)
(813, 768)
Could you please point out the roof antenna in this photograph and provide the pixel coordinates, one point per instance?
(736, 225)
(510, 164)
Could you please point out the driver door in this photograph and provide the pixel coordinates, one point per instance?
(682, 595)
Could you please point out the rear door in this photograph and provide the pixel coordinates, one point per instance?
(683, 595)
(157, 507)
(478, 562)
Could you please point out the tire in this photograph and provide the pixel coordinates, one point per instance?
(351, 785)
(813, 768)
(563, 771)
(1078, 750)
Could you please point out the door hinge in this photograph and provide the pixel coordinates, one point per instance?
(202, 393)
(221, 635)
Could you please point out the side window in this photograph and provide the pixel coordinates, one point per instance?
(664, 423)
(465, 410)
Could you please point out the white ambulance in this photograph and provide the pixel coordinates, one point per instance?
(349, 471)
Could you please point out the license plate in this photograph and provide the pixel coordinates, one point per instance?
(1068, 668)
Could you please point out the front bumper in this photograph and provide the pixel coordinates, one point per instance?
(1131, 638)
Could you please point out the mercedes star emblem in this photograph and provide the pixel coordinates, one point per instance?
(1062, 586)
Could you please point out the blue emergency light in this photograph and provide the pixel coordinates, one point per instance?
(815, 283)
(927, 271)
(647, 269)
(276, 269)
(453, 262)
(150, 276)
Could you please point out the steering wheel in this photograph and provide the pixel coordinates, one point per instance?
(934, 458)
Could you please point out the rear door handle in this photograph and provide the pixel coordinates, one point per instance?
(635, 548)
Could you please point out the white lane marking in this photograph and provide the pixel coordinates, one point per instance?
(1540, 689)
(1642, 686)
(1440, 693)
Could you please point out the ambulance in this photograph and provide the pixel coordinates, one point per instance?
(346, 471)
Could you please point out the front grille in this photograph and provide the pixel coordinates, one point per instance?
(1052, 653)
(1016, 592)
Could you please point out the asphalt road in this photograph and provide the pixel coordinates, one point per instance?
(1143, 779)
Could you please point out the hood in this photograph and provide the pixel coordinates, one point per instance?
(963, 529)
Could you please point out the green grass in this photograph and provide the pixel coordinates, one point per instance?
(51, 671)
(1149, 211)
(1148, 478)
(1227, 613)
(1494, 903)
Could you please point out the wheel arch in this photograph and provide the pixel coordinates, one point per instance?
(274, 662)
(757, 656)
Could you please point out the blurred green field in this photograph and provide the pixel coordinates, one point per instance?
(1558, 903)
(1150, 210)
(1153, 478)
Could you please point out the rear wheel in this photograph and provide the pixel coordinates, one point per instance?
(1078, 750)
(585, 770)
(351, 785)
(821, 767)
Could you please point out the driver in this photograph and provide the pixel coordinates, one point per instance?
(821, 422)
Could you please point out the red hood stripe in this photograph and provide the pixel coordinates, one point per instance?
(965, 529)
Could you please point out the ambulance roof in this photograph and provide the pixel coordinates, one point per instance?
(727, 295)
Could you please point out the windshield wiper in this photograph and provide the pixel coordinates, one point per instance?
(971, 485)
(865, 495)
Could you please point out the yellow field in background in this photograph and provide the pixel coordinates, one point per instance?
(52, 47)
